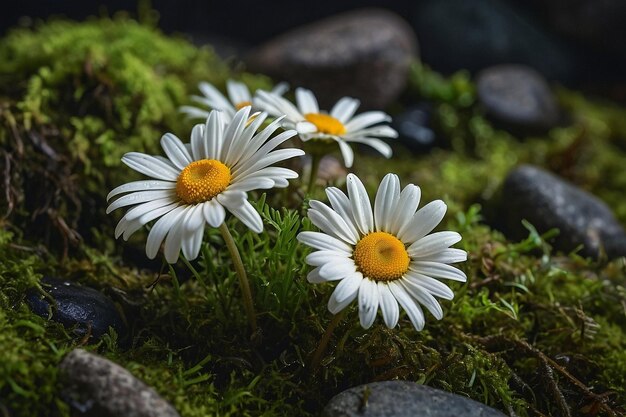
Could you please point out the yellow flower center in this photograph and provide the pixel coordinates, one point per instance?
(202, 180)
(243, 104)
(326, 124)
(381, 256)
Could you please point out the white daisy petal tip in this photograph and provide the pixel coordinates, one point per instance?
(399, 262)
(199, 181)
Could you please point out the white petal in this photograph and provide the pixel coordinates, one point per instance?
(341, 204)
(331, 223)
(405, 207)
(322, 257)
(446, 256)
(423, 222)
(383, 148)
(174, 240)
(368, 302)
(198, 143)
(361, 206)
(280, 89)
(214, 135)
(388, 305)
(342, 268)
(244, 143)
(412, 309)
(381, 131)
(434, 243)
(424, 298)
(344, 109)
(366, 119)
(175, 151)
(247, 214)
(250, 184)
(307, 103)
(192, 242)
(148, 207)
(322, 241)
(193, 112)
(438, 270)
(143, 185)
(433, 286)
(214, 213)
(346, 153)
(194, 219)
(386, 198)
(215, 97)
(233, 131)
(237, 92)
(151, 166)
(160, 229)
(136, 223)
(140, 197)
(345, 292)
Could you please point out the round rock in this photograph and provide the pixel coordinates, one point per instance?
(403, 399)
(364, 54)
(84, 309)
(413, 126)
(548, 202)
(96, 386)
(518, 97)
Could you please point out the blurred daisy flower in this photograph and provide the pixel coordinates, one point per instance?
(238, 97)
(199, 181)
(340, 125)
(385, 257)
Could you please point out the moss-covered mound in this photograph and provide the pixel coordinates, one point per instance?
(533, 332)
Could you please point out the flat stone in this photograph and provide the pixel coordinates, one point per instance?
(403, 399)
(548, 202)
(94, 385)
(84, 309)
(517, 96)
(364, 53)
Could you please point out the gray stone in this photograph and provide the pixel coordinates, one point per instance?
(548, 201)
(86, 310)
(517, 96)
(403, 399)
(364, 54)
(96, 386)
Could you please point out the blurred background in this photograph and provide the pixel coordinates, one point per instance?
(577, 43)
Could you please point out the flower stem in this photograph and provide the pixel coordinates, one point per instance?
(315, 165)
(321, 348)
(241, 274)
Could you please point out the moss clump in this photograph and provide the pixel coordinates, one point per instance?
(74, 97)
(533, 332)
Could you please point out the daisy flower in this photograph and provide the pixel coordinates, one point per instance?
(383, 257)
(340, 125)
(238, 97)
(199, 180)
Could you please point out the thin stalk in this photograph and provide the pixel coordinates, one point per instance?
(315, 166)
(321, 348)
(241, 274)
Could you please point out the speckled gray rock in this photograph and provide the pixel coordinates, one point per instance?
(548, 201)
(96, 386)
(403, 399)
(517, 96)
(364, 54)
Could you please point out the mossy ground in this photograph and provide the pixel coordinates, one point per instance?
(533, 332)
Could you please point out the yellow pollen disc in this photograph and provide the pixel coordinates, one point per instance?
(381, 256)
(243, 104)
(326, 124)
(202, 180)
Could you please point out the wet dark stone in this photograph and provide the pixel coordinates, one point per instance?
(364, 53)
(517, 97)
(548, 201)
(403, 399)
(81, 308)
(473, 35)
(95, 386)
(413, 126)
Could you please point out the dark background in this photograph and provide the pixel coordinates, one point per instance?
(579, 43)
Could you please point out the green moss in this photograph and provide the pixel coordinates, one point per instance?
(533, 331)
